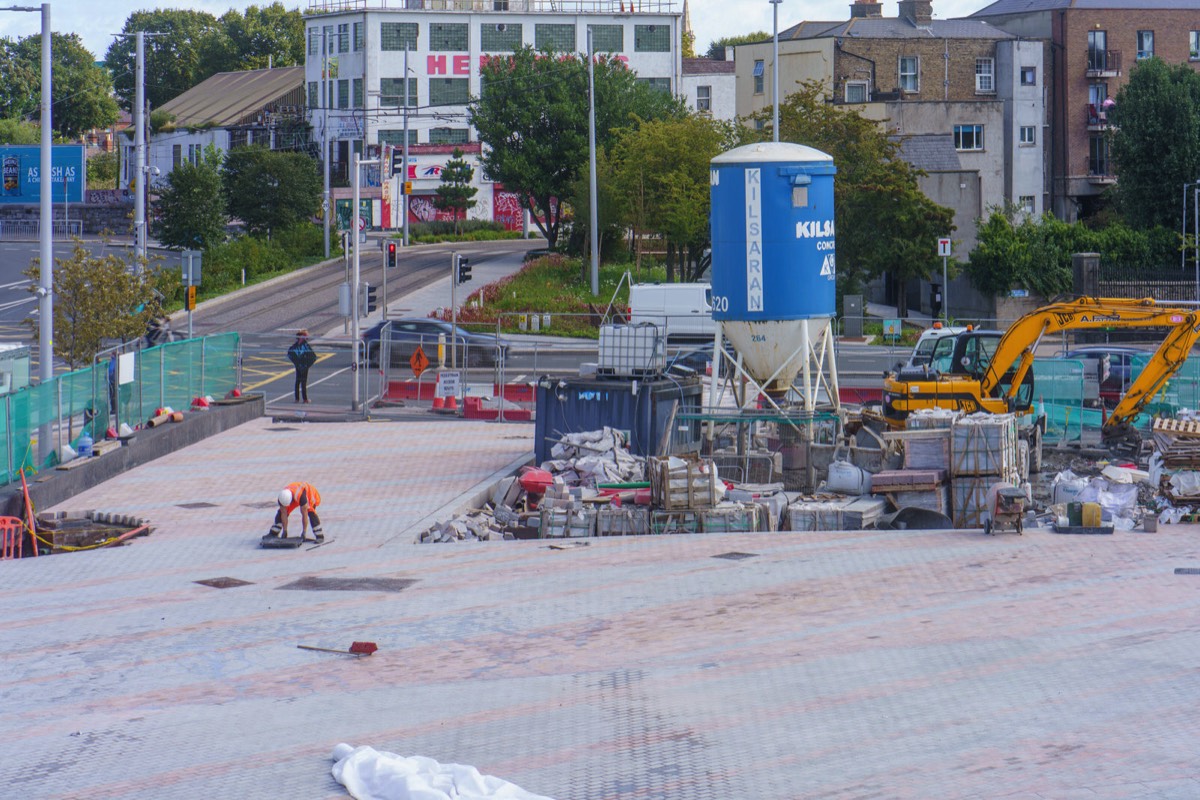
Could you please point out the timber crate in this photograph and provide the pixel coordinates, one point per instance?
(622, 521)
(731, 519)
(674, 522)
(677, 483)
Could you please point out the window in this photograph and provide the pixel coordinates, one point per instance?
(909, 66)
(314, 94)
(759, 125)
(448, 37)
(343, 38)
(343, 94)
(856, 91)
(499, 37)
(358, 92)
(396, 137)
(759, 68)
(1097, 50)
(194, 151)
(395, 36)
(704, 98)
(608, 38)
(176, 156)
(449, 91)
(1145, 44)
(330, 39)
(651, 39)
(968, 137)
(448, 135)
(985, 75)
(555, 38)
(1194, 45)
(1098, 156)
(392, 92)
(1028, 135)
(661, 84)
(359, 37)
(1027, 204)
(1029, 76)
(314, 41)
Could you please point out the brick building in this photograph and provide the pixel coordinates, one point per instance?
(1090, 48)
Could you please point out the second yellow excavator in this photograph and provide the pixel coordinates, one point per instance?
(992, 371)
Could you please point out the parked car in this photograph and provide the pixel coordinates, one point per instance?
(1116, 366)
(405, 335)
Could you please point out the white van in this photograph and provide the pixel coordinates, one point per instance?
(922, 353)
(681, 310)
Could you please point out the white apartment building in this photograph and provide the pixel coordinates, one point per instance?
(359, 93)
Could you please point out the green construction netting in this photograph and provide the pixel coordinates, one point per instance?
(89, 401)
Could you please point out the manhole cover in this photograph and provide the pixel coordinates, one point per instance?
(196, 505)
(224, 583)
(311, 584)
(283, 428)
(1187, 570)
(735, 556)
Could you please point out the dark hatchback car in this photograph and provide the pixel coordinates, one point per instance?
(405, 335)
(1120, 363)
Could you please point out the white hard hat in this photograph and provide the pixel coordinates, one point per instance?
(285, 497)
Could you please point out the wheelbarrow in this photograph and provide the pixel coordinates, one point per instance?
(1005, 509)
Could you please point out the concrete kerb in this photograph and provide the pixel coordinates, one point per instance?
(474, 497)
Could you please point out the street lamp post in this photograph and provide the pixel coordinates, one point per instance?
(775, 72)
(593, 214)
(1195, 231)
(46, 228)
(356, 277)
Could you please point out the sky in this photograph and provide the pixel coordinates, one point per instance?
(95, 22)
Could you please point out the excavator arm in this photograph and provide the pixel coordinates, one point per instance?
(1016, 348)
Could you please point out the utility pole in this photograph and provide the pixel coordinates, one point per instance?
(593, 214)
(46, 234)
(327, 214)
(404, 176)
(775, 74)
(139, 147)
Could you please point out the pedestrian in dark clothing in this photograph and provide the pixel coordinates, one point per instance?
(302, 357)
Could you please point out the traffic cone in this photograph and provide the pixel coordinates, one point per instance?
(452, 403)
(438, 403)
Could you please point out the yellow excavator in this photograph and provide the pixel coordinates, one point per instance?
(992, 371)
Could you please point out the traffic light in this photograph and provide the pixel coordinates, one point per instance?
(367, 299)
(391, 254)
(462, 269)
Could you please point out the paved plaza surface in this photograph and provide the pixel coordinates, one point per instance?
(706, 667)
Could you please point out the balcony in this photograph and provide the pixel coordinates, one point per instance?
(1100, 172)
(511, 6)
(1097, 117)
(1104, 64)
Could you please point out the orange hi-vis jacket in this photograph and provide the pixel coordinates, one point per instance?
(303, 490)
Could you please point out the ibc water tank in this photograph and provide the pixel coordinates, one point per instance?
(773, 253)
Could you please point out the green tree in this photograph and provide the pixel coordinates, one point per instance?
(173, 55)
(533, 115)
(96, 298)
(455, 193)
(716, 50)
(268, 189)
(102, 170)
(81, 92)
(17, 131)
(664, 188)
(885, 224)
(20, 91)
(260, 36)
(191, 206)
(1156, 141)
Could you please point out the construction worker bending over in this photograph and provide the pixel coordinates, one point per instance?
(305, 497)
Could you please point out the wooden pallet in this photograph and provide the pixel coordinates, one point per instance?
(1180, 427)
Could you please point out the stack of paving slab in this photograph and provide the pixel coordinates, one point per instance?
(915, 488)
(983, 451)
(828, 512)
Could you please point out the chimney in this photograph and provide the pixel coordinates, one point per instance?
(866, 9)
(918, 12)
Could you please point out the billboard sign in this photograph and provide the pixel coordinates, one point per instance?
(22, 181)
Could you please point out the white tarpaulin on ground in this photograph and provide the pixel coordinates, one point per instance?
(369, 774)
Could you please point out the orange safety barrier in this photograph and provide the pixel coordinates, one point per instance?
(12, 538)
